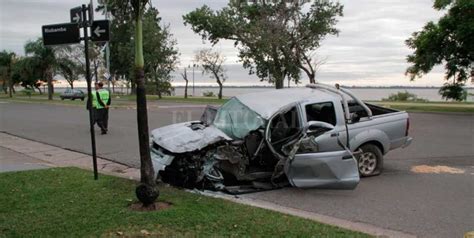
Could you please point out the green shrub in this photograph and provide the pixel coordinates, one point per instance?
(404, 97)
(28, 92)
(208, 94)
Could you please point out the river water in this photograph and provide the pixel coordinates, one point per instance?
(375, 94)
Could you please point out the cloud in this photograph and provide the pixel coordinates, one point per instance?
(369, 50)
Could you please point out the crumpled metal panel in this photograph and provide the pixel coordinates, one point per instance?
(181, 138)
(330, 170)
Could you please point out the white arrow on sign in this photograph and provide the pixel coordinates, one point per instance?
(97, 31)
(76, 18)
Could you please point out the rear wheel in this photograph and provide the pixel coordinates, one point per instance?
(370, 161)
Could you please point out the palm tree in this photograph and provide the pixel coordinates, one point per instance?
(147, 191)
(133, 10)
(47, 61)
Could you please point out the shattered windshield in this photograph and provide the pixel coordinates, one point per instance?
(237, 120)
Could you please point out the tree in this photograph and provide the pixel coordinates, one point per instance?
(184, 74)
(272, 36)
(27, 72)
(7, 60)
(453, 91)
(160, 54)
(147, 191)
(46, 59)
(133, 10)
(212, 62)
(310, 64)
(69, 70)
(448, 41)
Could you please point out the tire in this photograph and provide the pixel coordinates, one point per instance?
(62, 98)
(82, 99)
(370, 161)
(73, 99)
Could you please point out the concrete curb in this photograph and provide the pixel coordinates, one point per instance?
(350, 225)
(58, 157)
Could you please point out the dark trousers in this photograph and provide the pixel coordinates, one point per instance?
(102, 118)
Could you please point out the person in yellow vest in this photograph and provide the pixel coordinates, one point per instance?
(101, 102)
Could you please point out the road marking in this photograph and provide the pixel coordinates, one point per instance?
(439, 169)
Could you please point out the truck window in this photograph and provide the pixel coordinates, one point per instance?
(285, 126)
(321, 112)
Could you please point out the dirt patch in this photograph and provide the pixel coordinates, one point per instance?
(439, 169)
(158, 206)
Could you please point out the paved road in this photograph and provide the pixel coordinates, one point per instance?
(427, 205)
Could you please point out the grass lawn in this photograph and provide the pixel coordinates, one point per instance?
(67, 202)
(117, 100)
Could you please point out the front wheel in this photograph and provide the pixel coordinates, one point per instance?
(370, 161)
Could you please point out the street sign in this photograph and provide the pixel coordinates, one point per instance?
(100, 30)
(58, 34)
(76, 15)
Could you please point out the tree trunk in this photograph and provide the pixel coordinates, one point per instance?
(278, 80)
(4, 86)
(10, 86)
(220, 89)
(39, 89)
(71, 83)
(147, 191)
(49, 78)
(186, 90)
(10, 90)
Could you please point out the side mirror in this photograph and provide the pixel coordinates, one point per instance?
(318, 127)
(355, 117)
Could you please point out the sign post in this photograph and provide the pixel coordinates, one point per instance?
(69, 33)
(89, 88)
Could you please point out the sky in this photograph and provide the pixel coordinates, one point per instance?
(369, 51)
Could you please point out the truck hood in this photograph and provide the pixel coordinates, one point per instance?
(187, 136)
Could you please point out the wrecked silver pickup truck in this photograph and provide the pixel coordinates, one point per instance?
(278, 138)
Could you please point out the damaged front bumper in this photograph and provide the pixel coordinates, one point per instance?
(160, 160)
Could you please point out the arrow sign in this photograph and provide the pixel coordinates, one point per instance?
(59, 34)
(97, 31)
(100, 30)
(76, 15)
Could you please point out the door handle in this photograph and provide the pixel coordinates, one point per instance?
(335, 134)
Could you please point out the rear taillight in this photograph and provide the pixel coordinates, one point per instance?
(408, 127)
